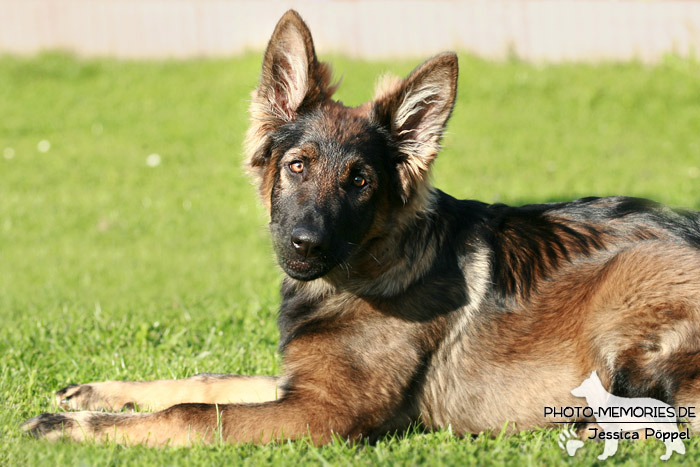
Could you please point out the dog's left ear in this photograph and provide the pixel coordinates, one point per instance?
(415, 110)
(292, 81)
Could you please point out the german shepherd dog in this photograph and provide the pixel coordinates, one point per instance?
(403, 305)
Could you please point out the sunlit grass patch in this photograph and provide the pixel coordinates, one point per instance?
(118, 264)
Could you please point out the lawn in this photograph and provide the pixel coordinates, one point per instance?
(117, 265)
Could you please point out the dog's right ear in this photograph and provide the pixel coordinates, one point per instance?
(292, 81)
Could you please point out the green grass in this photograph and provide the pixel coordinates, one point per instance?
(112, 269)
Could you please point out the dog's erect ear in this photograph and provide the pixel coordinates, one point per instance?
(292, 81)
(416, 110)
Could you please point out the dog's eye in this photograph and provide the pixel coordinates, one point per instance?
(297, 167)
(359, 181)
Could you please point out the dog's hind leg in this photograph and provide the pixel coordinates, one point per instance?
(156, 395)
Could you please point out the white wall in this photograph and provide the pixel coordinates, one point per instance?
(539, 30)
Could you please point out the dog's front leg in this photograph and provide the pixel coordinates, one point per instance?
(183, 424)
(335, 384)
(157, 395)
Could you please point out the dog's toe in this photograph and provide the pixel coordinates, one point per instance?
(75, 397)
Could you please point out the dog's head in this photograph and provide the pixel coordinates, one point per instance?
(334, 177)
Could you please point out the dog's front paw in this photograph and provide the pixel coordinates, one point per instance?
(55, 426)
(93, 396)
(76, 426)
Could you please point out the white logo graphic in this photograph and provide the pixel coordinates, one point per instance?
(569, 443)
(624, 418)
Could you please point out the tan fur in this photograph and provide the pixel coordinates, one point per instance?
(161, 394)
(651, 282)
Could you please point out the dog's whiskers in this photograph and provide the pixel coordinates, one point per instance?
(364, 249)
(346, 266)
(374, 258)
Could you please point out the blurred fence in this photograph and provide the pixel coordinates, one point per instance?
(538, 30)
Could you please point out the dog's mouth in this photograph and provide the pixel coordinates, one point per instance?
(305, 270)
(299, 266)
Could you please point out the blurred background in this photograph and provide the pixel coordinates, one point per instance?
(541, 30)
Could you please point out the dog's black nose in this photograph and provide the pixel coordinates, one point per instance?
(306, 242)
